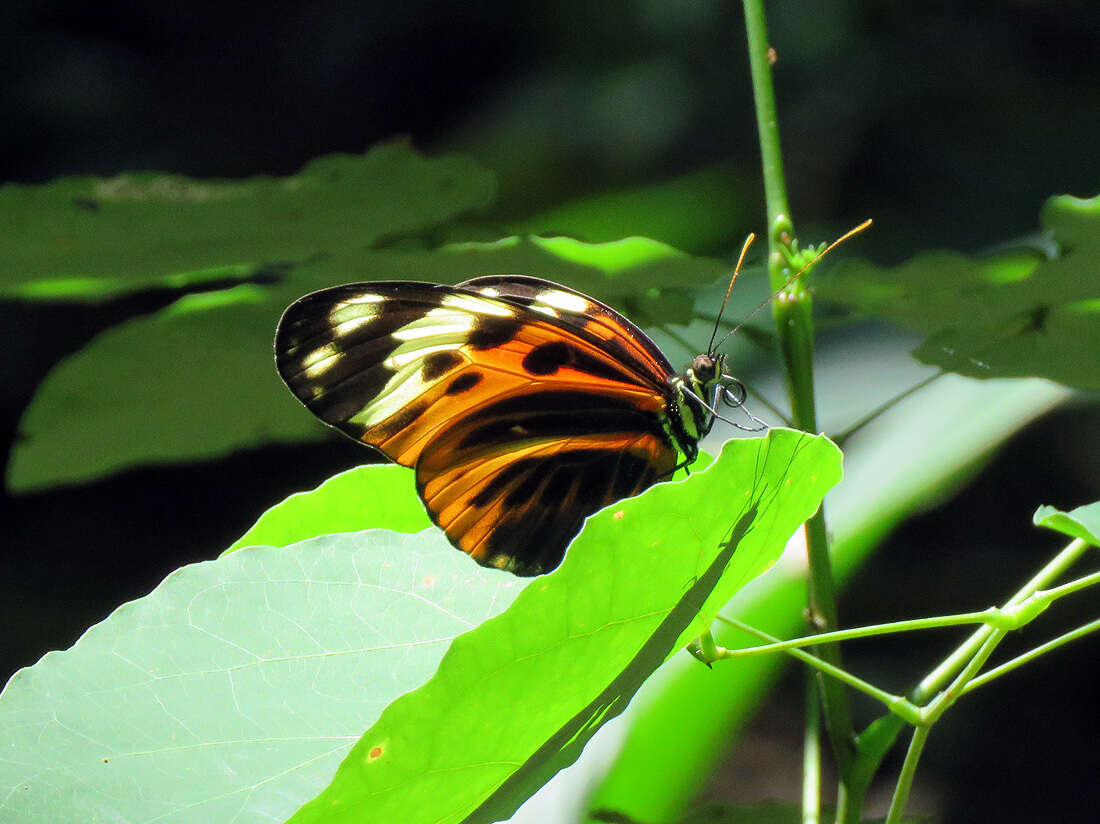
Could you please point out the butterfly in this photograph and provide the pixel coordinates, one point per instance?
(523, 406)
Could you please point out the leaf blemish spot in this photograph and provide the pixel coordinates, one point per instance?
(429, 581)
(375, 753)
(618, 516)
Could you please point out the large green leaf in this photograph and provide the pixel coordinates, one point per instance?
(515, 700)
(233, 690)
(196, 380)
(89, 238)
(366, 497)
(1013, 314)
(362, 498)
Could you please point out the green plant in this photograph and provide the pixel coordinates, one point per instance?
(237, 687)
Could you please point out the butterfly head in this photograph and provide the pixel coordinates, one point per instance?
(698, 391)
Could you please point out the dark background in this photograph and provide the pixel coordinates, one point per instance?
(950, 124)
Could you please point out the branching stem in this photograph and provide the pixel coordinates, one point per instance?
(794, 326)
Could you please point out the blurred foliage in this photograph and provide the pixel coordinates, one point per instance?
(701, 211)
(1012, 314)
(194, 380)
(90, 239)
(755, 814)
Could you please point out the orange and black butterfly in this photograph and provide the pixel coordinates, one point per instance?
(523, 406)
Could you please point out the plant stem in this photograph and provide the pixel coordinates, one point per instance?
(880, 735)
(811, 756)
(895, 703)
(794, 325)
(1070, 587)
(775, 186)
(966, 651)
(905, 780)
(945, 699)
(985, 616)
(1019, 660)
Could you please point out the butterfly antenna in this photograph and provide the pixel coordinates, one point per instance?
(729, 289)
(794, 277)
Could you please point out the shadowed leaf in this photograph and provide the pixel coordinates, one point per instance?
(1013, 314)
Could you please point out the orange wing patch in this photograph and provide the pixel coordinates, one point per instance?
(539, 359)
(492, 500)
(523, 406)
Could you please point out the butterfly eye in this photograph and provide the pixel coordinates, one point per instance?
(704, 368)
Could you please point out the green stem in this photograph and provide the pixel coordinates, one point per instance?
(946, 698)
(875, 741)
(794, 326)
(775, 186)
(966, 651)
(873, 744)
(823, 612)
(895, 703)
(1069, 587)
(986, 616)
(1020, 660)
(905, 780)
(811, 756)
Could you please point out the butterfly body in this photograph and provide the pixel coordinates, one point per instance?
(522, 405)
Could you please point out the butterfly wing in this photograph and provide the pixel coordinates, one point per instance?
(520, 418)
(588, 317)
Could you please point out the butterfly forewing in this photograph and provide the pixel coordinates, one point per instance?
(523, 406)
(597, 322)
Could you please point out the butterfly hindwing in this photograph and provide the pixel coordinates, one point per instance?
(523, 406)
(516, 506)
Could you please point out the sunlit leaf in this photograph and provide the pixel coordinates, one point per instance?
(375, 496)
(233, 690)
(1082, 522)
(236, 687)
(515, 700)
(698, 212)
